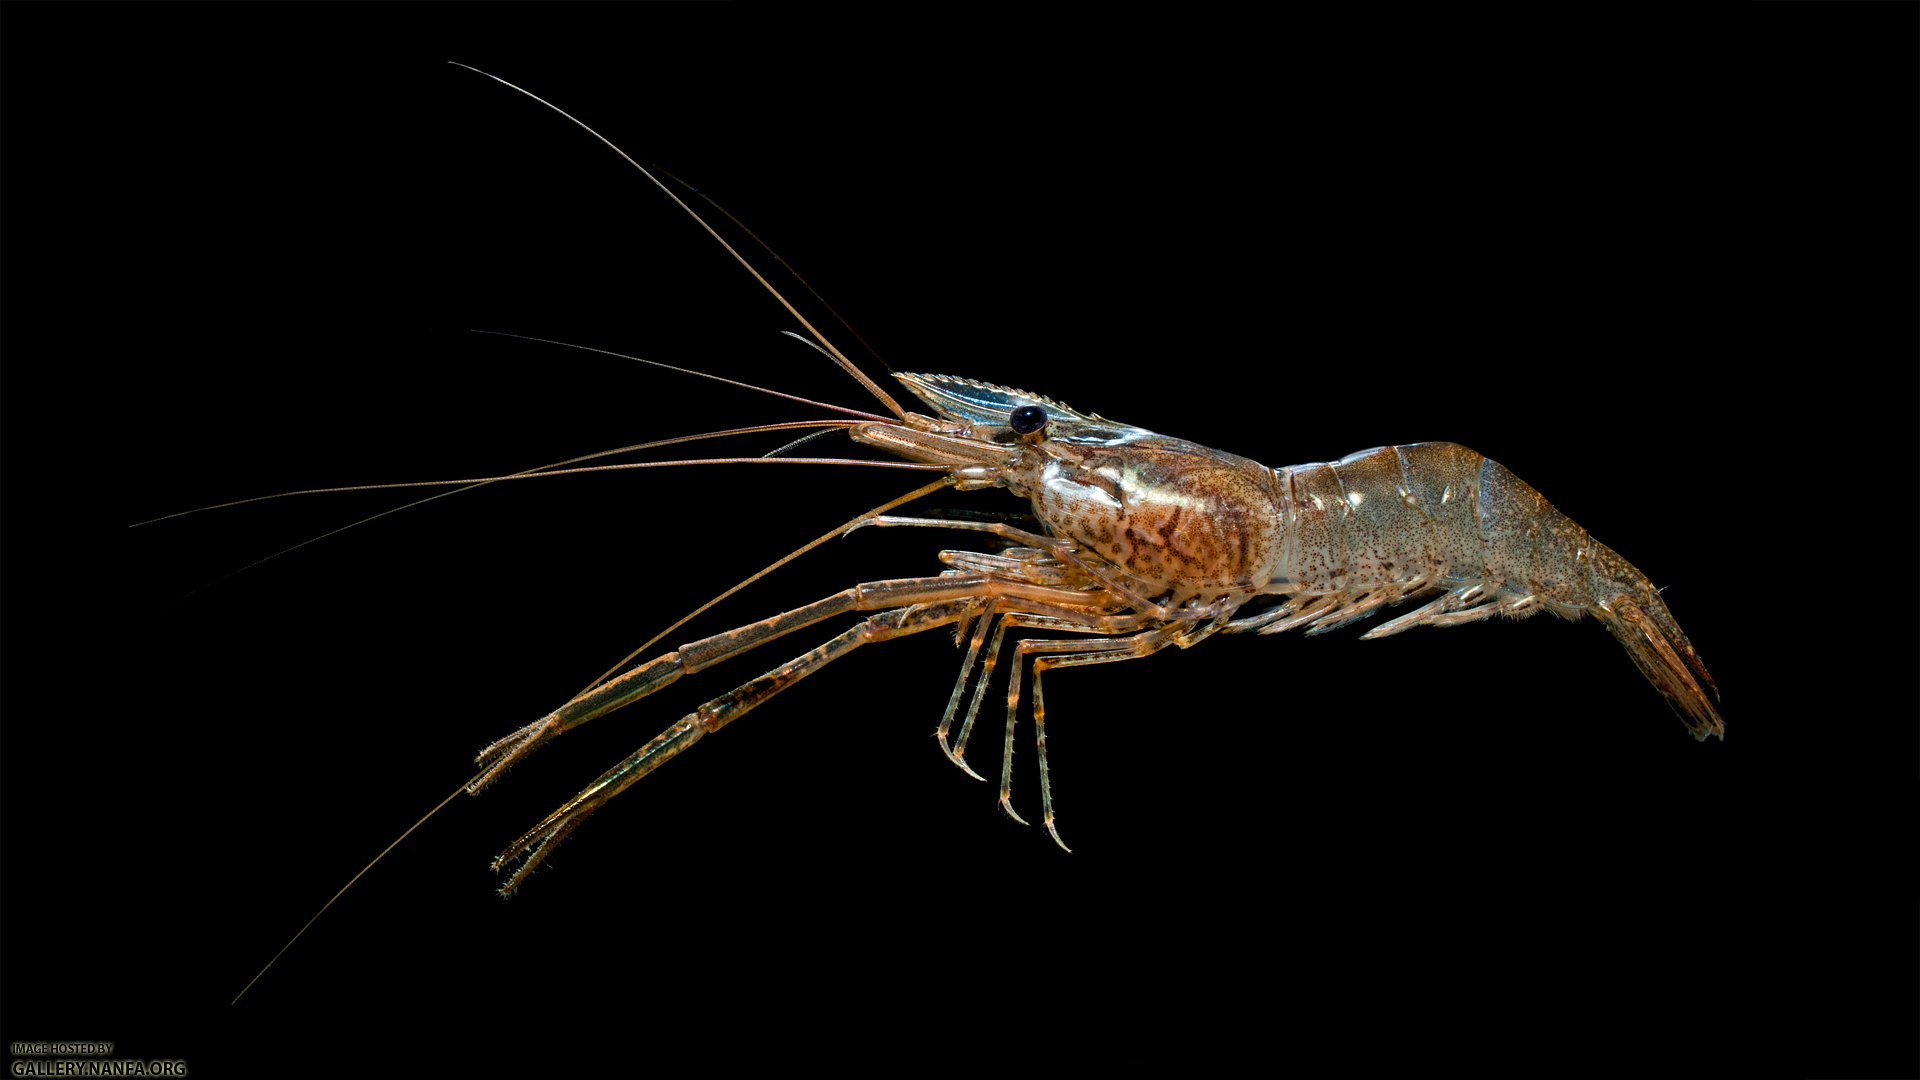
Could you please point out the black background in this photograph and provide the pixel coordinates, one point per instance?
(1662, 274)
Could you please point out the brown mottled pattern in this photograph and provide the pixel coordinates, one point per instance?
(1388, 538)
(1184, 520)
(1442, 481)
(1316, 546)
(1560, 561)
(1509, 510)
(1613, 578)
(1433, 510)
(1177, 524)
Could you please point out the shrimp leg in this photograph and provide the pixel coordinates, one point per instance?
(929, 602)
(714, 715)
(641, 681)
(1111, 624)
(1060, 654)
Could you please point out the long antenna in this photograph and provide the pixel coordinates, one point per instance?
(872, 387)
(776, 564)
(539, 469)
(555, 470)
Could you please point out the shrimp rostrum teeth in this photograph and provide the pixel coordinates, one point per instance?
(1146, 541)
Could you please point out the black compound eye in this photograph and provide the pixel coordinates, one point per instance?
(1027, 419)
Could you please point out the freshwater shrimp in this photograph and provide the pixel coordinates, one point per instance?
(832, 708)
(1151, 542)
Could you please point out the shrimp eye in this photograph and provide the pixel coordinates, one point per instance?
(1027, 419)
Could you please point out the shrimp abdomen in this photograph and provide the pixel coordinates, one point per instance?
(1394, 521)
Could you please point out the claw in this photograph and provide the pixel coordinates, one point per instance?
(505, 753)
(532, 849)
(1006, 807)
(1056, 835)
(538, 842)
(956, 758)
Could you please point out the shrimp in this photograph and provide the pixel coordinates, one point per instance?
(481, 593)
(1156, 542)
